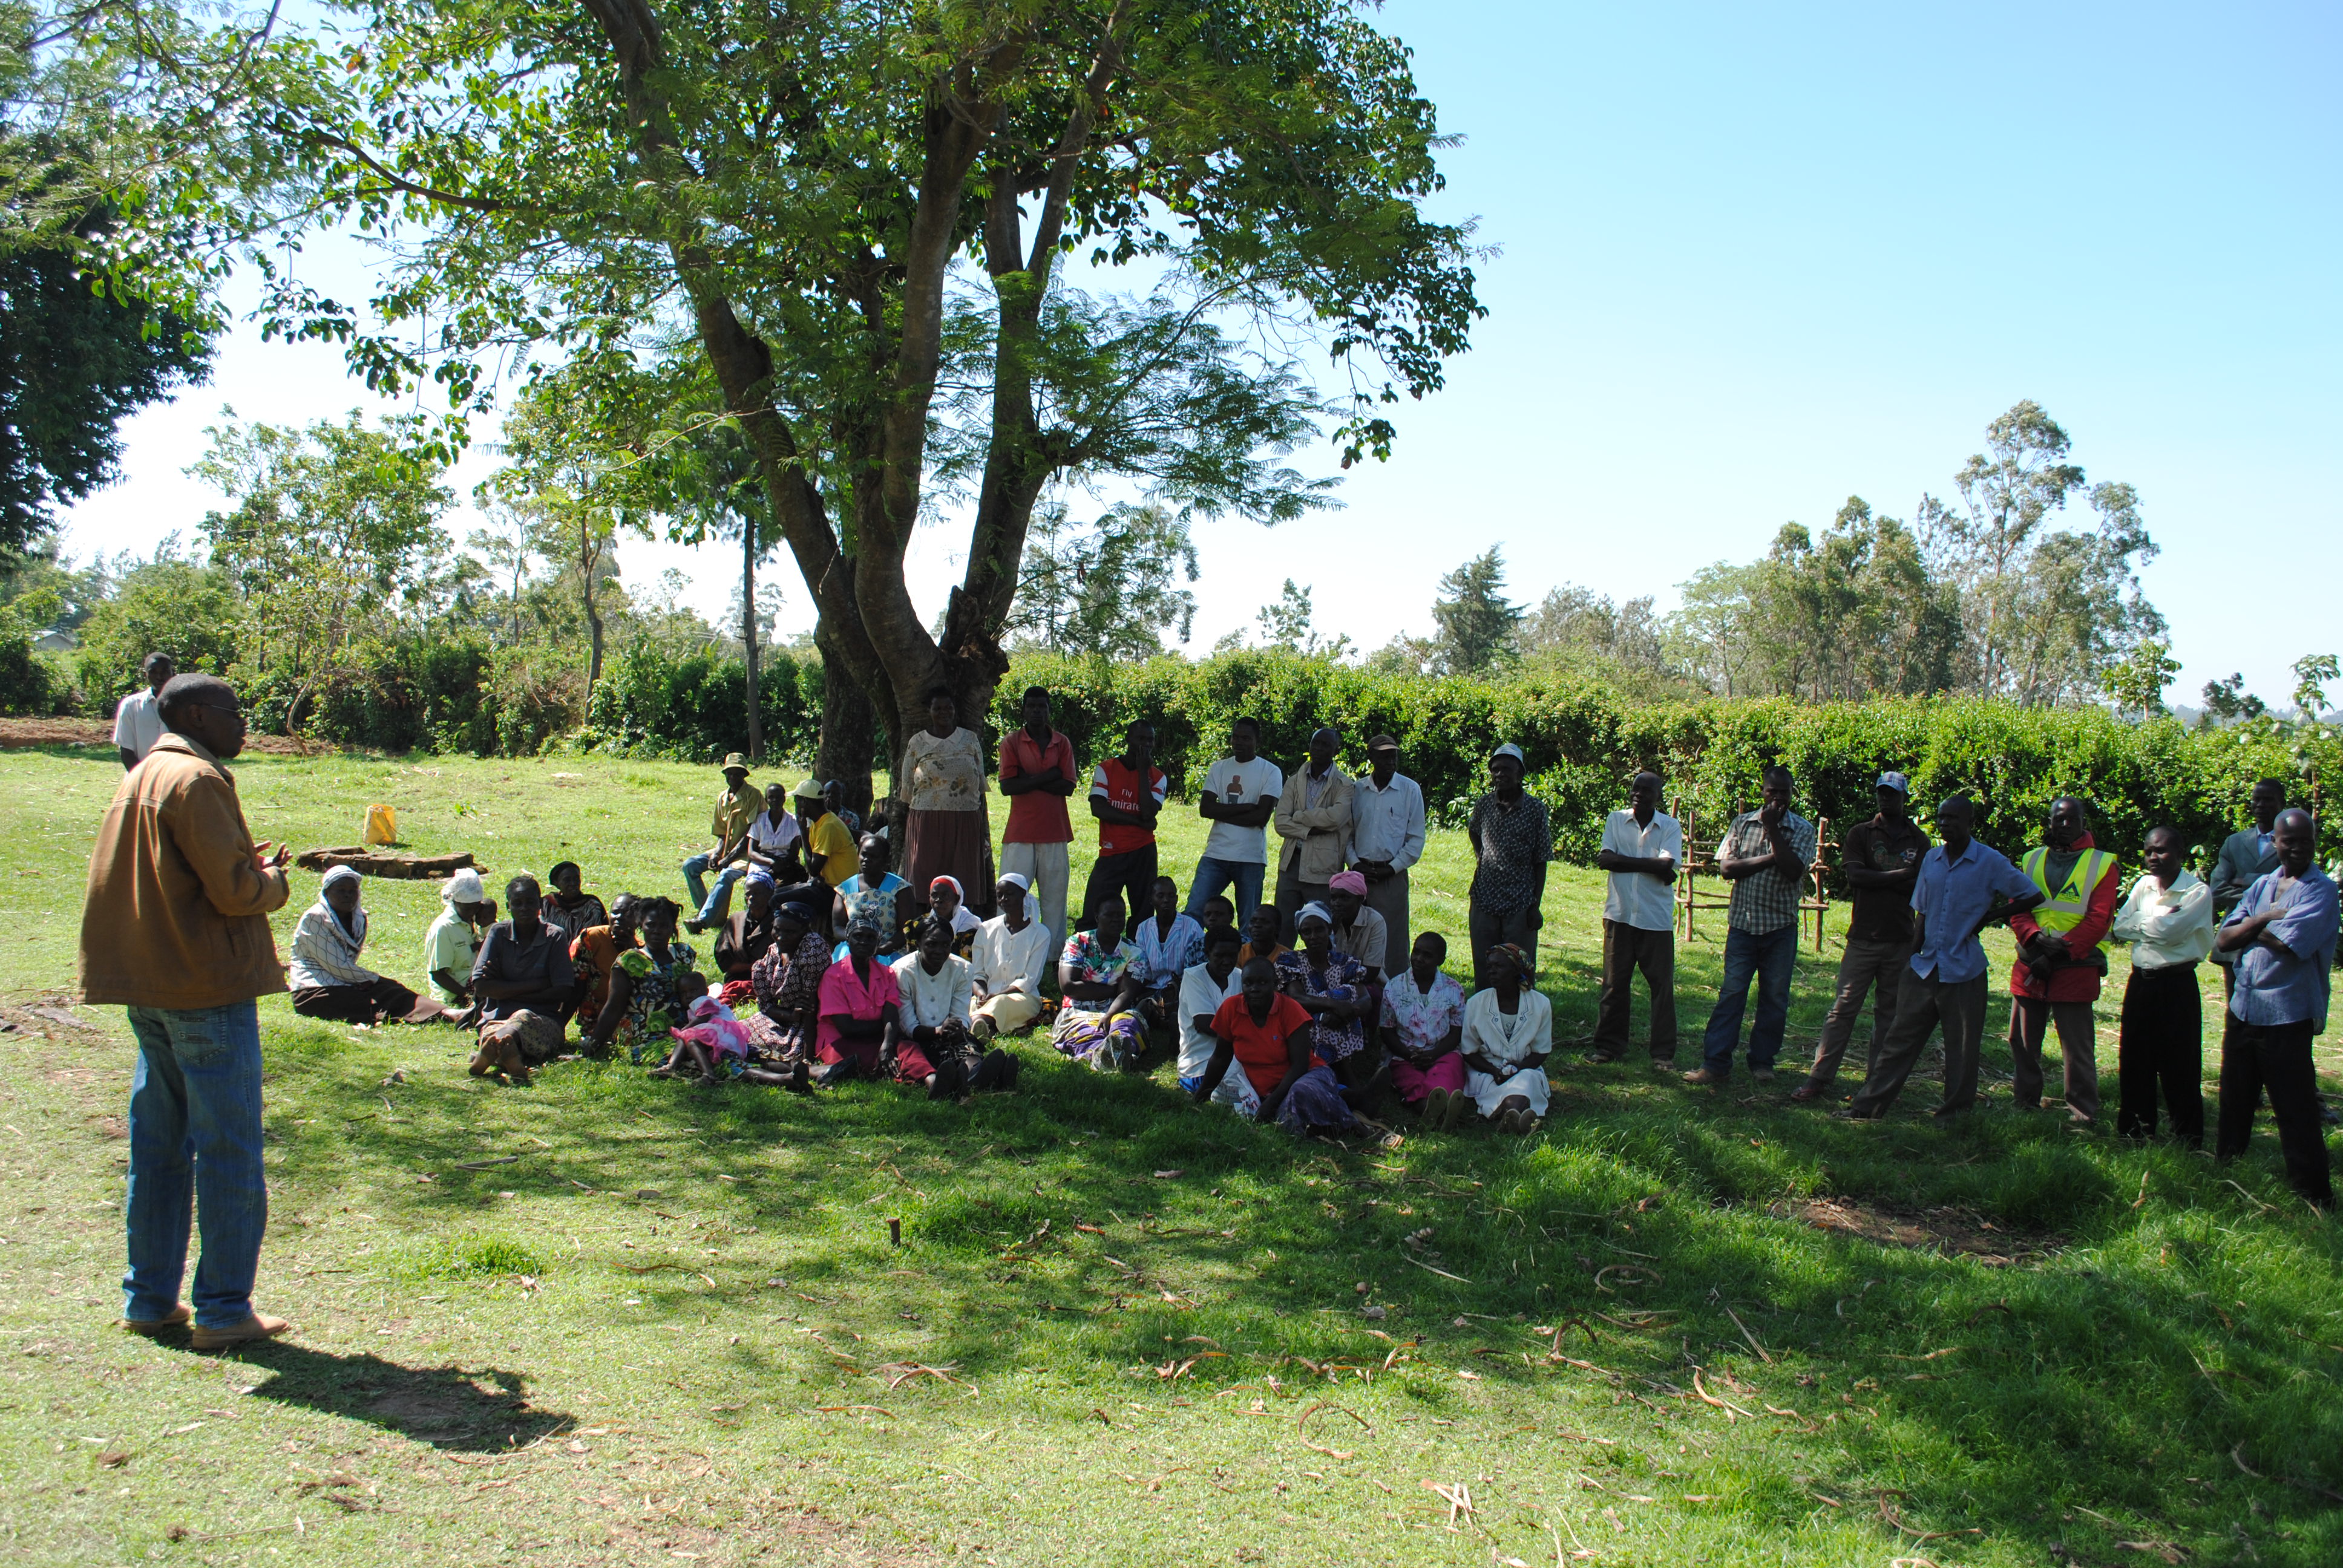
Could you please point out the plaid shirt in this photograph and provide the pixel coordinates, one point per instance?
(1768, 900)
(1511, 843)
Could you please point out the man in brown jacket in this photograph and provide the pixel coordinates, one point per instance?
(175, 927)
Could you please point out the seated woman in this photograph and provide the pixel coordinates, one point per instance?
(1508, 1035)
(788, 983)
(1422, 1028)
(876, 896)
(593, 955)
(568, 905)
(523, 979)
(642, 1005)
(938, 1051)
(327, 979)
(1359, 930)
(1169, 944)
(743, 938)
(1332, 986)
(1097, 975)
(1012, 953)
(947, 903)
(859, 1008)
(1267, 1035)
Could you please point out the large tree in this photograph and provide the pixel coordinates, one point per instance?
(857, 217)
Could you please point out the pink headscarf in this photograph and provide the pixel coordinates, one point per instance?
(1347, 883)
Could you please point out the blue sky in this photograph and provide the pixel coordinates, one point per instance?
(1755, 261)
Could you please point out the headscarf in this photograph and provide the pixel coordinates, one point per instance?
(1019, 879)
(958, 892)
(357, 925)
(1347, 883)
(1310, 909)
(464, 888)
(1515, 951)
(759, 874)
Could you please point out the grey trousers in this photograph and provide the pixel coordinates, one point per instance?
(1292, 892)
(2031, 1019)
(1864, 966)
(1628, 951)
(1922, 1004)
(1388, 898)
(1486, 930)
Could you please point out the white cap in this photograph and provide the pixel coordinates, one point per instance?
(464, 888)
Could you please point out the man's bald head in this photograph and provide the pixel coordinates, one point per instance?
(2296, 834)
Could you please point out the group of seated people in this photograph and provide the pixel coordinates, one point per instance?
(809, 987)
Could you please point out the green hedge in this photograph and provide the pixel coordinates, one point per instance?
(695, 709)
(1584, 742)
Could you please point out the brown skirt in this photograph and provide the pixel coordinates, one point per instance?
(383, 999)
(948, 844)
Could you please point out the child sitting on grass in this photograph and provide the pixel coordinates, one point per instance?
(716, 1044)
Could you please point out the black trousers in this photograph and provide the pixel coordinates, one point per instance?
(2275, 1058)
(2162, 1047)
(1130, 875)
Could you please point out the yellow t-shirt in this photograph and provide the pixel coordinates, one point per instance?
(831, 838)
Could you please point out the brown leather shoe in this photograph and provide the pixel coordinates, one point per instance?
(1703, 1077)
(1805, 1092)
(178, 1316)
(258, 1326)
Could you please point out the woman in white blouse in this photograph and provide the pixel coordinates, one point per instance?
(1508, 1035)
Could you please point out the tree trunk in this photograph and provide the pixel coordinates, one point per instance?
(848, 726)
(748, 639)
(588, 558)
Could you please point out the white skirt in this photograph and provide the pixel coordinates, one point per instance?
(1489, 1093)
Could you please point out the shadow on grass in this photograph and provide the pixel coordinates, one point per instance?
(2162, 1326)
(476, 1411)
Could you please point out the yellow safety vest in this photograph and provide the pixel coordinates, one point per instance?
(2062, 907)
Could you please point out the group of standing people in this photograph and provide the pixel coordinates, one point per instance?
(2268, 918)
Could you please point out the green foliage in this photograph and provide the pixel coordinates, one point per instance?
(1480, 630)
(694, 708)
(167, 605)
(1585, 740)
(1107, 591)
(475, 1258)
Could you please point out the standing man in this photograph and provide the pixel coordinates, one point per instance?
(2168, 921)
(2060, 958)
(1038, 776)
(1512, 841)
(138, 719)
(1642, 846)
(2246, 856)
(1126, 797)
(736, 810)
(175, 927)
(1963, 886)
(2283, 935)
(1883, 863)
(1314, 819)
(1386, 839)
(1239, 798)
(1765, 856)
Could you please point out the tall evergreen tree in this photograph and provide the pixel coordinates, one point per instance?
(1480, 629)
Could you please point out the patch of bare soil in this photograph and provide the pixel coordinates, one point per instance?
(1953, 1230)
(22, 734)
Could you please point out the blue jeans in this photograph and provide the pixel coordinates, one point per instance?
(1214, 877)
(1768, 958)
(695, 873)
(194, 1153)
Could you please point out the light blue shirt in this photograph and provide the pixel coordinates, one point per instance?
(1387, 824)
(2290, 986)
(1163, 959)
(1952, 898)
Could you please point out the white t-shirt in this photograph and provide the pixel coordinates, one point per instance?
(770, 837)
(138, 723)
(1235, 783)
(1198, 994)
(1636, 897)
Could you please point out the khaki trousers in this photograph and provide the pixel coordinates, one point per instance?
(1923, 1002)
(2031, 1019)
(1862, 967)
(1626, 951)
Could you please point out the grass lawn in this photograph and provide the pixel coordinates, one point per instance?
(1674, 1327)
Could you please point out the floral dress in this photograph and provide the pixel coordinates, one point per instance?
(651, 1010)
(1087, 1035)
(1341, 978)
(876, 905)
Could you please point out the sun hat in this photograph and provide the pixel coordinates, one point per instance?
(734, 759)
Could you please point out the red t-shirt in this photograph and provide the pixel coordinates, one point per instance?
(1261, 1048)
(1037, 816)
(1117, 782)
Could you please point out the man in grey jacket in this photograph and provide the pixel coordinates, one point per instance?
(2245, 857)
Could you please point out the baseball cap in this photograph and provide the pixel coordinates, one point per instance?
(1511, 750)
(1896, 781)
(1382, 743)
